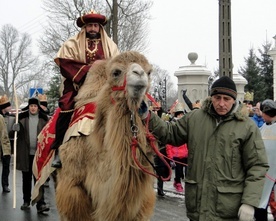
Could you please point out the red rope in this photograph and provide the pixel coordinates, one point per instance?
(152, 100)
(120, 88)
(270, 178)
(133, 148)
(151, 140)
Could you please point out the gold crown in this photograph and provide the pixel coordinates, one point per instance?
(90, 12)
(165, 117)
(42, 97)
(248, 96)
(178, 107)
(4, 99)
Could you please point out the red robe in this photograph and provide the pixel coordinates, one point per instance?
(74, 73)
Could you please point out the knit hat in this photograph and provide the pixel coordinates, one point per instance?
(224, 85)
(4, 102)
(268, 107)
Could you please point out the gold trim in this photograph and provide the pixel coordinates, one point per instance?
(82, 20)
(78, 72)
(67, 111)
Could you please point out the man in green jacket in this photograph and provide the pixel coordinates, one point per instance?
(227, 161)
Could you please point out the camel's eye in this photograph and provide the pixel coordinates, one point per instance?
(149, 72)
(117, 73)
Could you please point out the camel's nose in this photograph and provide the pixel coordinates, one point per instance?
(138, 70)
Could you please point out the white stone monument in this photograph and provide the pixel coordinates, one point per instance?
(240, 82)
(272, 53)
(194, 78)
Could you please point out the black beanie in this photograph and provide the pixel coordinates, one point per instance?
(268, 107)
(224, 85)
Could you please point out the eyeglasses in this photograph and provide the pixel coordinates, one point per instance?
(268, 105)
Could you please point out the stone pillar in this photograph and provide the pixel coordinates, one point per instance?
(194, 78)
(272, 53)
(225, 39)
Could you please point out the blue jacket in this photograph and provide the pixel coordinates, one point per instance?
(258, 120)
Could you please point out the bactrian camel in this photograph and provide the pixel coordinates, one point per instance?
(99, 179)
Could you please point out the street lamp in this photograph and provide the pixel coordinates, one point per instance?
(160, 93)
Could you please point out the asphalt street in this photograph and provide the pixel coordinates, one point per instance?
(171, 207)
(168, 208)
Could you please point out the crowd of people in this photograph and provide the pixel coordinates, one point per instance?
(226, 159)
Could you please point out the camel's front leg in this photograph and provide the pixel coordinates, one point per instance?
(73, 202)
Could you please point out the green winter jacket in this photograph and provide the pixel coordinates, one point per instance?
(227, 162)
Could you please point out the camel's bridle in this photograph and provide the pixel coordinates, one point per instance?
(151, 139)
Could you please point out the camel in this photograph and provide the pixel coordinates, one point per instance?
(99, 179)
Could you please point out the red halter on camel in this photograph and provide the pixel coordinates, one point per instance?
(149, 136)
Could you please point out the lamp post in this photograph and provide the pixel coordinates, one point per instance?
(163, 93)
(160, 93)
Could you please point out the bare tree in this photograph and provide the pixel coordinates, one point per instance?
(127, 22)
(161, 76)
(17, 64)
(127, 25)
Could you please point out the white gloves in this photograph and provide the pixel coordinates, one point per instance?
(246, 213)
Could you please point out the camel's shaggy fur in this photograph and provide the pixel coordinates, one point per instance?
(99, 180)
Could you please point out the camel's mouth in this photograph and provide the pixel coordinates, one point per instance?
(136, 91)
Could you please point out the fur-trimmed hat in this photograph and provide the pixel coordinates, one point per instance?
(4, 102)
(91, 17)
(32, 100)
(224, 85)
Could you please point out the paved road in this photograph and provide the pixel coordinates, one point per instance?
(168, 208)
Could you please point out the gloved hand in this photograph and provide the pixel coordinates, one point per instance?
(184, 92)
(16, 127)
(246, 213)
(143, 110)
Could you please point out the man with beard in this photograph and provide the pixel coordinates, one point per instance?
(75, 58)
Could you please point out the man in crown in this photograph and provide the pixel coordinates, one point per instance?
(75, 58)
(248, 101)
(43, 102)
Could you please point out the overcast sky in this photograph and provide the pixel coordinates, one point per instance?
(177, 28)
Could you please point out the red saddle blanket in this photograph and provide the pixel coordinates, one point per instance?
(81, 124)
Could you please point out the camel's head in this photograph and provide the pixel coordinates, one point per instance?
(129, 77)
